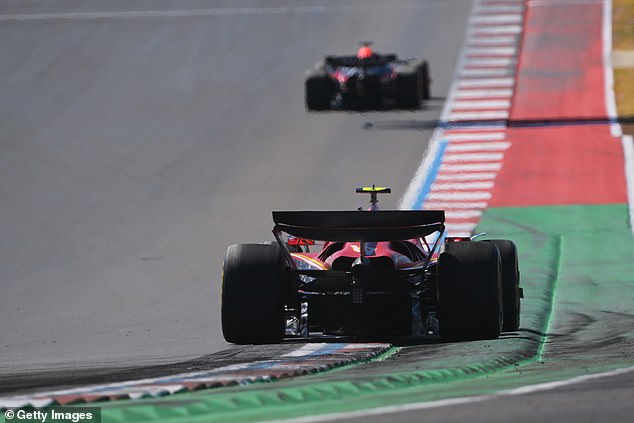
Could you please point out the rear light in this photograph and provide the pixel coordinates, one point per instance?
(300, 241)
(451, 239)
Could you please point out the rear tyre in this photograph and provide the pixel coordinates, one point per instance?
(470, 291)
(510, 283)
(252, 294)
(425, 81)
(408, 89)
(318, 91)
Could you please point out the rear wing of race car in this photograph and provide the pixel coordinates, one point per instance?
(354, 61)
(358, 226)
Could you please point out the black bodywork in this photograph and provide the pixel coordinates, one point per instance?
(382, 81)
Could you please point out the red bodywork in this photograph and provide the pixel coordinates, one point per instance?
(350, 251)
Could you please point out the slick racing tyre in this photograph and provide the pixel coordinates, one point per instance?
(408, 89)
(470, 291)
(252, 294)
(510, 283)
(425, 81)
(318, 91)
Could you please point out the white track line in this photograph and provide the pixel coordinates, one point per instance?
(442, 205)
(492, 114)
(610, 100)
(413, 191)
(474, 176)
(472, 157)
(306, 349)
(487, 82)
(477, 146)
(470, 167)
(610, 105)
(494, 61)
(463, 214)
(496, 29)
(452, 402)
(457, 186)
(476, 136)
(481, 104)
(492, 51)
(493, 40)
(481, 91)
(480, 18)
(459, 196)
(489, 72)
(498, 9)
(492, 93)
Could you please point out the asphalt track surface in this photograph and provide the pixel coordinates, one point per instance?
(140, 139)
(137, 145)
(578, 402)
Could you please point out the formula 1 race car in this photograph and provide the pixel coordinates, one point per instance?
(379, 274)
(367, 81)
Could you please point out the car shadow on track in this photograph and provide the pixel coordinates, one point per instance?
(435, 104)
(465, 124)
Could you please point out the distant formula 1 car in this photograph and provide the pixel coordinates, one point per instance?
(367, 81)
(379, 274)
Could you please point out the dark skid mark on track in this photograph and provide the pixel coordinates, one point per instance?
(420, 125)
(19, 383)
(66, 378)
(400, 125)
(611, 336)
